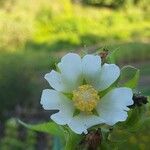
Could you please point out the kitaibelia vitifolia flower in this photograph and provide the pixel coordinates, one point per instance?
(78, 85)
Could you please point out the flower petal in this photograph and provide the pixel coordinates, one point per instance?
(91, 68)
(53, 100)
(108, 75)
(82, 122)
(71, 70)
(55, 80)
(64, 115)
(113, 106)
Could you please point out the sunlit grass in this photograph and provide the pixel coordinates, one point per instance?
(64, 25)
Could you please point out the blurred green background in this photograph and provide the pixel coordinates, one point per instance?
(34, 34)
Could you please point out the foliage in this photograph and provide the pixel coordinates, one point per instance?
(129, 76)
(115, 3)
(30, 32)
(75, 25)
(11, 140)
(106, 3)
(49, 127)
(19, 78)
(111, 136)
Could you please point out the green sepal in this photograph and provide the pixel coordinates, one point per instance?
(76, 112)
(111, 58)
(57, 68)
(94, 112)
(68, 95)
(129, 77)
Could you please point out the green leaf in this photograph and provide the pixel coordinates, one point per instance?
(118, 136)
(143, 123)
(148, 104)
(129, 77)
(134, 117)
(108, 145)
(111, 58)
(48, 127)
(144, 120)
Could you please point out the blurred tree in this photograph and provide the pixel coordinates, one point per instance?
(20, 82)
(109, 3)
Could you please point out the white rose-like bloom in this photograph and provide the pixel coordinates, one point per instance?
(84, 79)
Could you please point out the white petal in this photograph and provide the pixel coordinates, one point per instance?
(71, 70)
(82, 122)
(53, 100)
(64, 115)
(113, 106)
(55, 80)
(108, 75)
(91, 68)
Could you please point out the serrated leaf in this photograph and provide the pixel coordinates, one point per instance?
(129, 77)
(48, 127)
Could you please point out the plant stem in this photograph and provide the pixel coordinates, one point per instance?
(72, 141)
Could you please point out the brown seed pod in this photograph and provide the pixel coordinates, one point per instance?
(104, 53)
(93, 139)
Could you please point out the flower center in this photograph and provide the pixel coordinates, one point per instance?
(85, 98)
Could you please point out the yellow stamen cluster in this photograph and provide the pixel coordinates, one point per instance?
(85, 98)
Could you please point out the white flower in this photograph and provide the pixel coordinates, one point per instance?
(83, 79)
